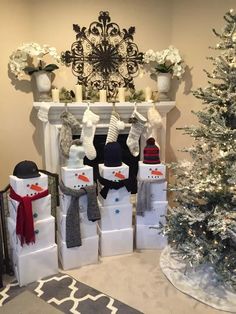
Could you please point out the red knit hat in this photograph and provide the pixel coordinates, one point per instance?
(151, 152)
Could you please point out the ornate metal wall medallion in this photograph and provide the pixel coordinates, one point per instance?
(103, 56)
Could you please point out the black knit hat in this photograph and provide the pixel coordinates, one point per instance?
(151, 152)
(26, 169)
(112, 155)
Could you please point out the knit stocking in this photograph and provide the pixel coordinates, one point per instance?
(115, 125)
(90, 120)
(154, 122)
(69, 125)
(138, 123)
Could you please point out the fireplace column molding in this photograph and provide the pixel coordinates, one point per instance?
(49, 114)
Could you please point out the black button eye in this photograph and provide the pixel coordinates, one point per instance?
(113, 172)
(28, 185)
(155, 168)
(150, 169)
(83, 173)
(36, 183)
(75, 174)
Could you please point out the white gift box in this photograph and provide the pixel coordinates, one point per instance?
(115, 242)
(149, 238)
(29, 187)
(151, 172)
(155, 215)
(85, 254)
(66, 199)
(44, 236)
(33, 266)
(41, 208)
(87, 228)
(114, 173)
(121, 196)
(115, 217)
(77, 178)
(158, 191)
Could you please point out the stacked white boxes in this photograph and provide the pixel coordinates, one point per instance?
(37, 260)
(147, 234)
(115, 227)
(87, 253)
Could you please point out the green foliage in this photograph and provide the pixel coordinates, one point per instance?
(47, 68)
(66, 96)
(135, 95)
(92, 94)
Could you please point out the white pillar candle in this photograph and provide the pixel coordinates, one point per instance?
(78, 93)
(121, 94)
(103, 95)
(55, 95)
(148, 93)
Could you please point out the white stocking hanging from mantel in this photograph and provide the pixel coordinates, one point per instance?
(90, 121)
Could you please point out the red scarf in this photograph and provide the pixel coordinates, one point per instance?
(24, 220)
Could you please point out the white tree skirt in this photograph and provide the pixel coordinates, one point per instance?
(200, 283)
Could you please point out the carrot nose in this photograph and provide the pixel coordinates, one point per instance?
(36, 188)
(157, 173)
(119, 175)
(83, 178)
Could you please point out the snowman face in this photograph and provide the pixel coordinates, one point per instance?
(33, 188)
(114, 173)
(118, 175)
(77, 178)
(30, 186)
(154, 173)
(81, 179)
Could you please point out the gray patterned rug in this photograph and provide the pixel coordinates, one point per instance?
(69, 296)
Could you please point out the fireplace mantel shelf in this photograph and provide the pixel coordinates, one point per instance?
(102, 109)
(49, 113)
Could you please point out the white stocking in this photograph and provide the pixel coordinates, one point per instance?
(137, 127)
(154, 122)
(90, 120)
(114, 127)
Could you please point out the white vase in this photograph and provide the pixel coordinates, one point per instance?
(43, 80)
(163, 85)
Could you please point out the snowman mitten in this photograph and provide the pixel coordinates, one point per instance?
(114, 127)
(69, 125)
(90, 120)
(138, 123)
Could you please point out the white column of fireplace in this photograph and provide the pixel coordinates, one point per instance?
(49, 113)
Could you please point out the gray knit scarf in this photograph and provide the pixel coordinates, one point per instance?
(73, 236)
(69, 125)
(143, 196)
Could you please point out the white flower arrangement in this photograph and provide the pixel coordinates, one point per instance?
(166, 61)
(23, 58)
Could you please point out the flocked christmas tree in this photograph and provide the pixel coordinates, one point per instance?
(202, 224)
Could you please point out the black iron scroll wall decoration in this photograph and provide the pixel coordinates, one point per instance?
(103, 56)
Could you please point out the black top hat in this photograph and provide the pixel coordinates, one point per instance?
(112, 155)
(26, 169)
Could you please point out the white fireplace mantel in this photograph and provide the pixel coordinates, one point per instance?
(49, 113)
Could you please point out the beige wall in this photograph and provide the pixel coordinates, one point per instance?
(191, 31)
(185, 24)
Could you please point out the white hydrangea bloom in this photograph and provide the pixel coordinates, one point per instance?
(149, 56)
(178, 70)
(167, 60)
(21, 57)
